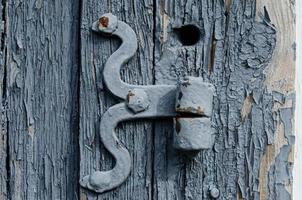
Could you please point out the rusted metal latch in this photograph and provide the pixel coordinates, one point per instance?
(189, 102)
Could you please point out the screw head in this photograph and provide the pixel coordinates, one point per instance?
(214, 192)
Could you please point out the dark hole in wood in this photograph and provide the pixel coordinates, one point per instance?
(188, 34)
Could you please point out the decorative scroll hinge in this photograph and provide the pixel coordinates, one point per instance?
(189, 103)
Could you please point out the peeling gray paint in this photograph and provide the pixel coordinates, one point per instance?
(42, 99)
(243, 48)
(280, 173)
(39, 60)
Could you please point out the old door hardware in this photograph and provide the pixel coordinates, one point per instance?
(190, 103)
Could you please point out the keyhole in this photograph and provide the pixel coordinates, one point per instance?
(188, 34)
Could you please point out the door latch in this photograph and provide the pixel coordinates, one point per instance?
(189, 103)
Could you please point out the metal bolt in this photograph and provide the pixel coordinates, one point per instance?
(137, 100)
(214, 192)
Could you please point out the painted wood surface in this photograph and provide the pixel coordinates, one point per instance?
(42, 99)
(95, 99)
(53, 98)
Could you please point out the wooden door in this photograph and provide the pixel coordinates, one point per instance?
(53, 98)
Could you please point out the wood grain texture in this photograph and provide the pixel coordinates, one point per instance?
(238, 43)
(281, 78)
(95, 99)
(254, 102)
(42, 95)
(175, 175)
(53, 98)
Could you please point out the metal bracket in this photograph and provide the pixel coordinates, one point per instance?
(190, 103)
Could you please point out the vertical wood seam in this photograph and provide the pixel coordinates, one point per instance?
(153, 82)
(4, 94)
(78, 107)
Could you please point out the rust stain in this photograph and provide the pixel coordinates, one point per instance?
(192, 110)
(272, 151)
(104, 21)
(130, 94)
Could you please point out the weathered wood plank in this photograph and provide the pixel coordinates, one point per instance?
(95, 99)
(42, 95)
(253, 106)
(250, 111)
(176, 176)
(276, 165)
(3, 118)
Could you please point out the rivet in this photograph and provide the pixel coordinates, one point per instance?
(214, 192)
